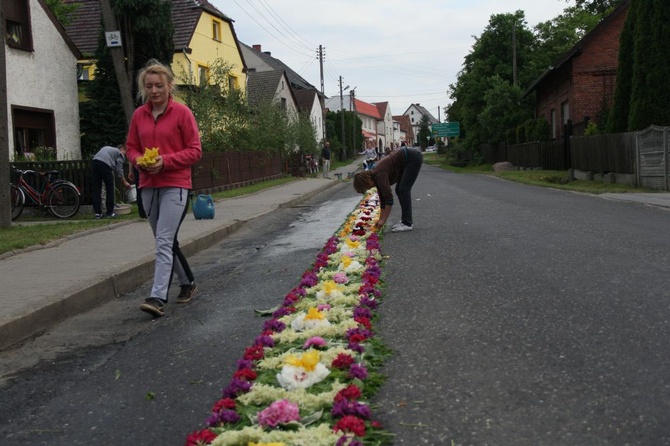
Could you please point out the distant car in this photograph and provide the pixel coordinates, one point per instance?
(430, 149)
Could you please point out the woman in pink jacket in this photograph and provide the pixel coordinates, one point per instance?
(165, 185)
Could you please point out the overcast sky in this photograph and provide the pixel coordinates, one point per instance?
(399, 51)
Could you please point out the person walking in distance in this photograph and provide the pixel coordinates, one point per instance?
(401, 168)
(325, 156)
(164, 142)
(106, 162)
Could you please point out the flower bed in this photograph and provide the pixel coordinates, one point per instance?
(307, 377)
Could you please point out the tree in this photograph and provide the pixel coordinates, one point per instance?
(502, 110)
(642, 92)
(63, 11)
(597, 6)
(423, 135)
(492, 55)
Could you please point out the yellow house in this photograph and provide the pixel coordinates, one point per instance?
(202, 34)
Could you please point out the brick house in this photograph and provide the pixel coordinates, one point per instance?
(581, 84)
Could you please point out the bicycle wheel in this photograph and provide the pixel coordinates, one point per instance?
(18, 200)
(63, 200)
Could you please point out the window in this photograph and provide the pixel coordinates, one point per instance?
(552, 122)
(232, 83)
(17, 18)
(32, 128)
(203, 75)
(565, 112)
(216, 30)
(283, 104)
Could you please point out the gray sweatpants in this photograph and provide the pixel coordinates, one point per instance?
(166, 208)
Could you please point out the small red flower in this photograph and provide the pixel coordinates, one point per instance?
(246, 374)
(376, 425)
(254, 353)
(225, 403)
(364, 321)
(200, 438)
(342, 361)
(349, 393)
(350, 423)
(357, 338)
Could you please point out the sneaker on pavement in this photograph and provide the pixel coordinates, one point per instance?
(112, 215)
(186, 293)
(153, 306)
(98, 216)
(396, 225)
(401, 228)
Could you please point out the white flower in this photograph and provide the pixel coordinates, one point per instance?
(292, 377)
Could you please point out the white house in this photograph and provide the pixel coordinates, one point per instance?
(41, 73)
(385, 126)
(415, 112)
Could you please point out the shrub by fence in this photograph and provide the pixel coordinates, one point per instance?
(216, 171)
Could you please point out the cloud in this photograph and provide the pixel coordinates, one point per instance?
(398, 51)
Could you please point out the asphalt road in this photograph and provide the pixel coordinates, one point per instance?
(526, 316)
(518, 316)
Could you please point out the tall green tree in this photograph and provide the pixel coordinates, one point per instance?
(642, 92)
(503, 110)
(618, 117)
(597, 6)
(492, 55)
(147, 32)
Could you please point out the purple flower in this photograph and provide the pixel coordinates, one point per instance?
(362, 312)
(265, 341)
(245, 364)
(309, 279)
(369, 302)
(283, 311)
(236, 387)
(346, 407)
(224, 416)
(274, 325)
(358, 371)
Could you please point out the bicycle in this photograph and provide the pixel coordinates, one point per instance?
(59, 197)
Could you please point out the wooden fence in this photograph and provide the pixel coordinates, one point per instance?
(597, 153)
(216, 171)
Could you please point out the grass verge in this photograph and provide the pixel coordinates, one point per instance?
(557, 179)
(36, 230)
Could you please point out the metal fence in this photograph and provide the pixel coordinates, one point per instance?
(652, 157)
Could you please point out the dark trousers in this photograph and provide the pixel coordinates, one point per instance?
(403, 189)
(102, 173)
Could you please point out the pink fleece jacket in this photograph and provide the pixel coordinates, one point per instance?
(176, 135)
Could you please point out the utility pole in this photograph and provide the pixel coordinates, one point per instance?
(5, 205)
(343, 149)
(352, 108)
(514, 52)
(118, 57)
(323, 93)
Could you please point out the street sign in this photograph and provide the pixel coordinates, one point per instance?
(448, 129)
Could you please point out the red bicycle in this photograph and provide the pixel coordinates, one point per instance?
(59, 197)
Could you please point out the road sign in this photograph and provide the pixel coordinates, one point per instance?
(448, 129)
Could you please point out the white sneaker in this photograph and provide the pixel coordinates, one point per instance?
(401, 228)
(397, 224)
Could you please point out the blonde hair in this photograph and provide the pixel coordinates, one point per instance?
(362, 181)
(154, 67)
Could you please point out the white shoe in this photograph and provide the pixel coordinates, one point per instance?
(401, 228)
(397, 224)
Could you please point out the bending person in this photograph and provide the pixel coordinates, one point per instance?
(401, 168)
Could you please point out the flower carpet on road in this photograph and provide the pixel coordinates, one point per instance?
(307, 378)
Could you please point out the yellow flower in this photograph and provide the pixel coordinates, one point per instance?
(149, 157)
(329, 286)
(353, 244)
(307, 361)
(345, 260)
(313, 313)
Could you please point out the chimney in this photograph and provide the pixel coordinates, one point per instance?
(267, 52)
(257, 47)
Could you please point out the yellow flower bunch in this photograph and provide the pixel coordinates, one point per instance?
(307, 361)
(315, 314)
(149, 157)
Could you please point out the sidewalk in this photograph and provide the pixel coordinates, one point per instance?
(73, 275)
